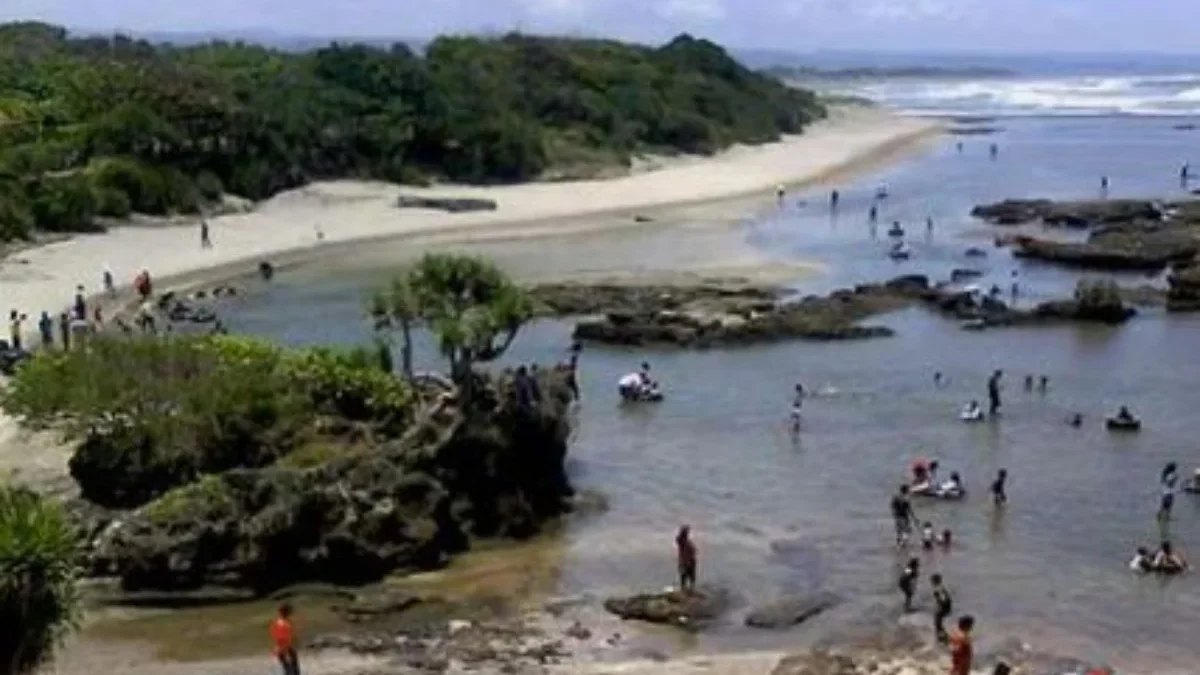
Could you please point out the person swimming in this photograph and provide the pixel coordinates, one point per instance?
(1168, 561)
(1142, 562)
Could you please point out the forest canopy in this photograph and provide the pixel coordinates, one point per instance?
(111, 126)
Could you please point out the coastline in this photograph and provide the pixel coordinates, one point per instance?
(357, 216)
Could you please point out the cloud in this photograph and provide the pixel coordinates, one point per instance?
(880, 11)
(691, 10)
(557, 8)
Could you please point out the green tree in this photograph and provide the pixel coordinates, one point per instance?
(39, 602)
(473, 309)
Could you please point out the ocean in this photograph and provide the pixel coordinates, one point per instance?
(773, 514)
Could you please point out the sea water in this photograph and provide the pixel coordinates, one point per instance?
(773, 514)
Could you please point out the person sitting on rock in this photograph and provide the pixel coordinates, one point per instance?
(685, 551)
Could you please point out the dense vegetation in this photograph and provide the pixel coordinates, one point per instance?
(151, 414)
(108, 127)
(38, 571)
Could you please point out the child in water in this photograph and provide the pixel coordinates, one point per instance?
(927, 536)
(908, 581)
(946, 539)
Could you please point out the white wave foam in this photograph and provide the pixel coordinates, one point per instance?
(1175, 94)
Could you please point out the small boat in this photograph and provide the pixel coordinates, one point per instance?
(900, 252)
(1123, 424)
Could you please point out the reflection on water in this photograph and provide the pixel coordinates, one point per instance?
(773, 513)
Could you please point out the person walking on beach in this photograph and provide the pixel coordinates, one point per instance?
(993, 388)
(1104, 186)
(205, 235)
(903, 515)
(834, 198)
(873, 214)
(943, 604)
(908, 581)
(685, 553)
(1184, 175)
(961, 650)
(780, 193)
(283, 635)
(1000, 488)
(994, 151)
(110, 285)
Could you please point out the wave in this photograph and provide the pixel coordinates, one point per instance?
(1166, 95)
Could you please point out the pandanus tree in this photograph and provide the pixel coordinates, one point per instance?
(472, 308)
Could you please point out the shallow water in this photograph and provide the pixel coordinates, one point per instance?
(772, 514)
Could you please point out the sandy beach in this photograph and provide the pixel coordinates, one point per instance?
(353, 214)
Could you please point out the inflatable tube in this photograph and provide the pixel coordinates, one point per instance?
(1116, 424)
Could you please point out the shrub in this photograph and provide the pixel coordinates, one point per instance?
(38, 571)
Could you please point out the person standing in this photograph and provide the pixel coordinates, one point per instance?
(1000, 489)
(993, 387)
(110, 285)
(685, 552)
(908, 581)
(205, 235)
(834, 198)
(80, 304)
(64, 330)
(46, 329)
(903, 515)
(14, 329)
(961, 650)
(283, 635)
(943, 605)
(1167, 482)
(1104, 186)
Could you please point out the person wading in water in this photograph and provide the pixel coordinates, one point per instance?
(685, 551)
(994, 392)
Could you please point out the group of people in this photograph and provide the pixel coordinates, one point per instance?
(639, 386)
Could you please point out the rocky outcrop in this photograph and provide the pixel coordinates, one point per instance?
(447, 204)
(791, 611)
(1184, 293)
(1111, 251)
(678, 608)
(1081, 214)
(714, 315)
(407, 504)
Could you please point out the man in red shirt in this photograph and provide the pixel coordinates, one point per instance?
(686, 554)
(283, 634)
(960, 646)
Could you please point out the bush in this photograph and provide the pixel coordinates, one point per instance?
(153, 414)
(210, 186)
(145, 188)
(64, 204)
(38, 571)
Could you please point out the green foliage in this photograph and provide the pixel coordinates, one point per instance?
(153, 413)
(38, 572)
(172, 128)
(209, 496)
(469, 304)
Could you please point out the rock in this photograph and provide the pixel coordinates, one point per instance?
(579, 632)
(448, 204)
(373, 605)
(1184, 293)
(407, 504)
(1079, 214)
(957, 275)
(974, 252)
(788, 612)
(685, 609)
(1112, 251)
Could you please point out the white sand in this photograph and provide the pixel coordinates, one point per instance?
(44, 278)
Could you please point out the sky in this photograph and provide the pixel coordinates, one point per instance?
(1097, 26)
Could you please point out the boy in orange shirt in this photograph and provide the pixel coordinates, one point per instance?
(283, 634)
(960, 647)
